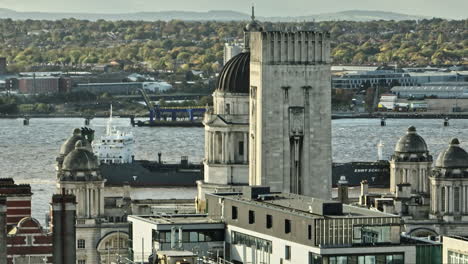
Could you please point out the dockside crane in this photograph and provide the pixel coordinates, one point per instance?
(149, 104)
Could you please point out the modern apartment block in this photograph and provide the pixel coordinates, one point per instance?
(198, 233)
(269, 228)
(455, 250)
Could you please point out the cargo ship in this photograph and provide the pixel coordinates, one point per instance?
(115, 152)
(376, 173)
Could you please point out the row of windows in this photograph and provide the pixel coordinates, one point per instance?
(251, 241)
(366, 259)
(189, 236)
(457, 258)
(269, 221)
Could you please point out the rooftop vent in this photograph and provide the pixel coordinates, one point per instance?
(255, 192)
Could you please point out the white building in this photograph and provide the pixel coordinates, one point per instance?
(230, 51)
(273, 228)
(197, 233)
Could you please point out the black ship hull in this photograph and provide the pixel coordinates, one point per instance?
(377, 173)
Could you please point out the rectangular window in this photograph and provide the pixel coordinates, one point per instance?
(234, 212)
(29, 240)
(251, 217)
(81, 243)
(314, 259)
(456, 199)
(309, 232)
(442, 200)
(241, 148)
(201, 237)
(287, 252)
(185, 236)
(81, 261)
(287, 226)
(193, 237)
(269, 221)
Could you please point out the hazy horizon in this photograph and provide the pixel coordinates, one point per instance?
(452, 9)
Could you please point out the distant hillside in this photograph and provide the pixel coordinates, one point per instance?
(218, 15)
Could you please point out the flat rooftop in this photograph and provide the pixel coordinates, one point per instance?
(304, 205)
(180, 219)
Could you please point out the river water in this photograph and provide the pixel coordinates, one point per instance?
(28, 153)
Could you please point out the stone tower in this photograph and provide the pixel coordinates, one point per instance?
(290, 112)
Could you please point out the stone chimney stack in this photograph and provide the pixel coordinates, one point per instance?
(63, 209)
(343, 190)
(3, 230)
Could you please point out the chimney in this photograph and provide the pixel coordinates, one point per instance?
(343, 190)
(63, 209)
(3, 230)
(364, 192)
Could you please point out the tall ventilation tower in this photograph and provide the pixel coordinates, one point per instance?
(290, 112)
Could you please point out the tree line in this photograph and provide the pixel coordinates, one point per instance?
(181, 45)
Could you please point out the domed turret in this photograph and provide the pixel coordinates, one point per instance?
(235, 75)
(411, 142)
(80, 159)
(454, 157)
(411, 148)
(69, 144)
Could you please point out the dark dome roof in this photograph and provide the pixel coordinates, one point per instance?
(69, 144)
(235, 75)
(411, 142)
(453, 157)
(80, 159)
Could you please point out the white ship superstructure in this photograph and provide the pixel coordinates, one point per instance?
(115, 147)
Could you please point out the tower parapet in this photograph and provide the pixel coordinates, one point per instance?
(290, 48)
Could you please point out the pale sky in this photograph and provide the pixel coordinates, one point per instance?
(456, 9)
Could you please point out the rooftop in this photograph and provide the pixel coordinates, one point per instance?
(179, 219)
(304, 205)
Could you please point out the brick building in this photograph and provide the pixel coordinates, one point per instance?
(26, 240)
(44, 85)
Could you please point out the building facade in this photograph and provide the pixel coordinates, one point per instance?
(455, 250)
(431, 197)
(179, 232)
(226, 130)
(266, 227)
(23, 239)
(78, 173)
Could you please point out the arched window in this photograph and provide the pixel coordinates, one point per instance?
(442, 199)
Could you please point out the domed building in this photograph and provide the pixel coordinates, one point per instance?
(78, 173)
(226, 130)
(69, 145)
(449, 184)
(411, 163)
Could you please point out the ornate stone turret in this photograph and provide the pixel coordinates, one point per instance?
(449, 184)
(80, 175)
(410, 163)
